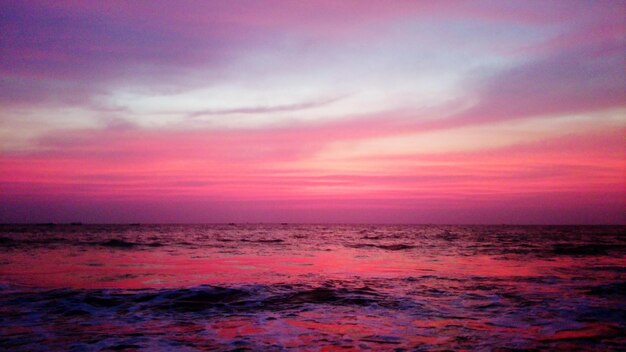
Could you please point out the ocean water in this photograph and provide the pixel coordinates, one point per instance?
(311, 288)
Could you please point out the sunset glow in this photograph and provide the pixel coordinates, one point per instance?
(321, 111)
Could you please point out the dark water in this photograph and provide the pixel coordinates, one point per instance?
(312, 287)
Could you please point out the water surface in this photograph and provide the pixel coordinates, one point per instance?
(311, 287)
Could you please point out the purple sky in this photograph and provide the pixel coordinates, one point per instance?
(319, 111)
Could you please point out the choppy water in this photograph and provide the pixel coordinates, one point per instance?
(312, 287)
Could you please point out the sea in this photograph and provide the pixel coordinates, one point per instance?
(312, 287)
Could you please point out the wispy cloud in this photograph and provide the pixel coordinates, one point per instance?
(265, 109)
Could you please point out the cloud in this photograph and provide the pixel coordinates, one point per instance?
(68, 52)
(117, 171)
(88, 90)
(582, 79)
(265, 109)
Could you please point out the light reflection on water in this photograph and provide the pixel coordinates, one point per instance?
(274, 287)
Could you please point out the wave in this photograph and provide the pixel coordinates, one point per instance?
(8, 242)
(272, 240)
(204, 298)
(116, 243)
(586, 249)
(389, 247)
(359, 310)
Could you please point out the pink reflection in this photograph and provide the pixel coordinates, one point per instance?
(335, 288)
(103, 268)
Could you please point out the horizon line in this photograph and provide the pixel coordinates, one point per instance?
(77, 223)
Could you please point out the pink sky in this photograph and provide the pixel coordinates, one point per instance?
(321, 111)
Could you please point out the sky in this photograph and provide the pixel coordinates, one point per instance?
(478, 112)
